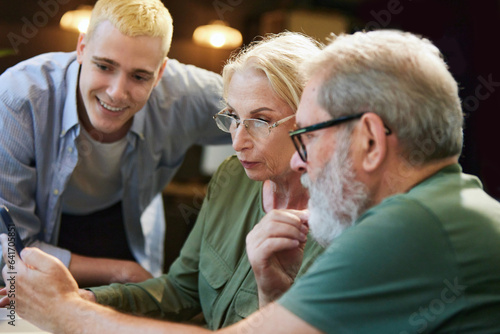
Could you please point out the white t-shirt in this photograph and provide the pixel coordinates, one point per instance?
(96, 182)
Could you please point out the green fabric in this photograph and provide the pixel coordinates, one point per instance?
(212, 273)
(424, 261)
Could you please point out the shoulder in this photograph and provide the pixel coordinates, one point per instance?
(47, 64)
(33, 78)
(181, 79)
(187, 95)
(229, 171)
(230, 165)
(447, 199)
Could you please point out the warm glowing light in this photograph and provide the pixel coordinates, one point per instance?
(83, 25)
(77, 20)
(217, 35)
(217, 39)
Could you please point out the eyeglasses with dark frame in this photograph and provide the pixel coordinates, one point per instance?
(297, 139)
(256, 127)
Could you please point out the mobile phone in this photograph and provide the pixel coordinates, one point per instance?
(8, 227)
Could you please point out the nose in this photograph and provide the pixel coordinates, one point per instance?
(241, 138)
(297, 164)
(117, 89)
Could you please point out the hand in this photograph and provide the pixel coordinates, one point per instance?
(275, 249)
(40, 280)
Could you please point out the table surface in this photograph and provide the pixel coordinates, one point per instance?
(21, 325)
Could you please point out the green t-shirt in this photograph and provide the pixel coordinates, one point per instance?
(424, 261)
(212, 273)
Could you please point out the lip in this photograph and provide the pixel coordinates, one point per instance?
(248, 164)
(101, 103)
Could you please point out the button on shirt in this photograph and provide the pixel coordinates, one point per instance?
(38, 153)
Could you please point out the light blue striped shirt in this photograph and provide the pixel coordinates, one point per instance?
(38, 151)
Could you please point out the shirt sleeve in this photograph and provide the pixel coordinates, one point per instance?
(172, 296)
(18, 175)
(206, 96)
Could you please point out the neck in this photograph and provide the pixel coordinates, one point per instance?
(404, 177)
(285, 194)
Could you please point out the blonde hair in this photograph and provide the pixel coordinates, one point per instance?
(402, 78)
(134, 18)
(279, 57)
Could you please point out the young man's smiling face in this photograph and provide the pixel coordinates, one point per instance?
(117, 76)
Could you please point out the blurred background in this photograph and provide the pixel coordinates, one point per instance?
(466, 31)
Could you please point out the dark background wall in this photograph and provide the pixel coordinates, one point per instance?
(467, 32)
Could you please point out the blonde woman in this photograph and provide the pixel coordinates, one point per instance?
(262, 87)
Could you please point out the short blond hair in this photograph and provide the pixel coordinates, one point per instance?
(279, 57)
(134, 18)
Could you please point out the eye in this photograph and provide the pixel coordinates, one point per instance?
(232, 114)
(262, 118)
(102, 67)
(309, 136)
(140, 77)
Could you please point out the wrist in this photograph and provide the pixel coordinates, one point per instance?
(87, 294)
(268, 297)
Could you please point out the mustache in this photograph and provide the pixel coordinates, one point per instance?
(306, 181)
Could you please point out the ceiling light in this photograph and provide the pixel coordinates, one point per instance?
(77, 20)
(217, 34)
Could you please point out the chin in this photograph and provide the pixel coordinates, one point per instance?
(256, 176)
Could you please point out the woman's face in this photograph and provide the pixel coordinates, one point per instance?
(250, 95)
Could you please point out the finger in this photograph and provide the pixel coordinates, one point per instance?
(5, 247)
(304, 219)
(294, 217)
(259, 235)
(4, 301)
(275, 245)
(280, 230)
(39, 260)
(3, 291)
(302, 214)
(282, 221)
(278, 217)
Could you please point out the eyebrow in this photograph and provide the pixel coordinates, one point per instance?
(114, 63)
(255, 111)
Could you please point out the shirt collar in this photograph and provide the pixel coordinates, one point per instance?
(70, 114)
(449, 169)
(138, 123)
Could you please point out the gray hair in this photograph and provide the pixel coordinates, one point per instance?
(279, 57)
(402, 78)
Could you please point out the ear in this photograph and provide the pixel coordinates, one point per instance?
(162, 69)
(79, 48)
(374, 144)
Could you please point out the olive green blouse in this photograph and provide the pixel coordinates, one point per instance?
(212, 274)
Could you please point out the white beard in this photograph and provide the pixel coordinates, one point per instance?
(336, 198)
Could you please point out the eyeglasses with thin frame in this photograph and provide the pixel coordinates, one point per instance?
(297, 139)
(255, 127)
